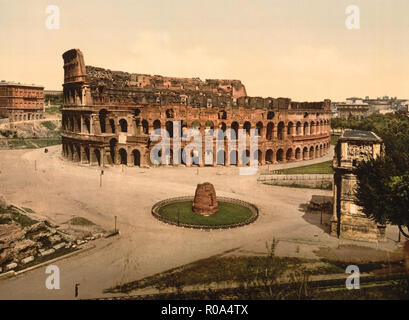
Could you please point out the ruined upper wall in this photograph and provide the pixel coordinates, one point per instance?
(74, 66)
(99, 77)
(99, 86)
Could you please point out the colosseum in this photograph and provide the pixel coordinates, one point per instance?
(108, 117)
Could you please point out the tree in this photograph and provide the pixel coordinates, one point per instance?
(383, 184)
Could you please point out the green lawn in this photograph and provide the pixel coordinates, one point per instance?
(228, 213)
(32, 143)
(318, 168)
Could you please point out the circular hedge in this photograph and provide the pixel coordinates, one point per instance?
(232, 213)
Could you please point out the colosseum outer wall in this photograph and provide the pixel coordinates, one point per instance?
(108, 117)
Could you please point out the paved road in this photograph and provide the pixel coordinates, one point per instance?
(60, 190)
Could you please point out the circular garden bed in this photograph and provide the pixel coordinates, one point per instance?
(232, 213)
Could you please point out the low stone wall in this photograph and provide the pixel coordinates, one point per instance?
(5, 120)
(320, 181)
(252, 207)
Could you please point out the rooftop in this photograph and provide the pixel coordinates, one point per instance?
(11, 83)
(360, 135)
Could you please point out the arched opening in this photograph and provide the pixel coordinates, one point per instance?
(123, 155)
(305, 153)
(112, 125)
(97, 154)
(311, 154)
(321, 153)
(289, 154)
(220, 157)
(298, 154)
(270, 115)
(312, 127)
(209, 125)
(259, 127)
(258, 155)
(290, 129)
(137, 112)
(136, 157)
(78, 153)
(78, 124)
(156, 124)
(87, 155)
(317, 152)
(145, 127)
(279, 155)
(247, 127)
(269, 156)
(102, 120)
(223, 115)
(112, 149)
(170, 114)
(235, 130)
(280, 131)
(233, 157)
(305, 128)
(87, 125)
(270, 129)
(169, 128)
(124, 125)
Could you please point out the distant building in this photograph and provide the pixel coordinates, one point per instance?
(20, 102)
(352, 108)
(348, 221)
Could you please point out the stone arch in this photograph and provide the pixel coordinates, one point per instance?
(169, 128)
(247, 127)
(317, 153)
(233, 157)
(97, 154)
(270, 131)
(156, 124)
(145, 127)
(170, 113)
(124, 125)
(280, 130)
(112, 125)
(270, 115)
(305, 132)
(136, 157)
(235, 129)
(87, 125)
(289, 154)
(321, 151)
(305, 153)
(209, 125)
(77, 153)
(112, 149)
(312, 127)
(102, 119)
(290, 128)
(87, 155)
(269, 156)
(220, 157)
(259, 127)
(298, 154)
(311, 153)
(123, 156)
(280, 155)
(195, 125)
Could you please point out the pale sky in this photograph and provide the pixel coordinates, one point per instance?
(300, 49)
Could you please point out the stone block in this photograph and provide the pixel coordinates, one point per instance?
(47, 252)
(11, 266)
(27, 260)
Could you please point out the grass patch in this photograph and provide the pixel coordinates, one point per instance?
(32, 143)
(80, 221)
(28, 210)
(317, 168)
(17, 217)
(49, 125)
(53, 110)
(228, 213)
(301, 186)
